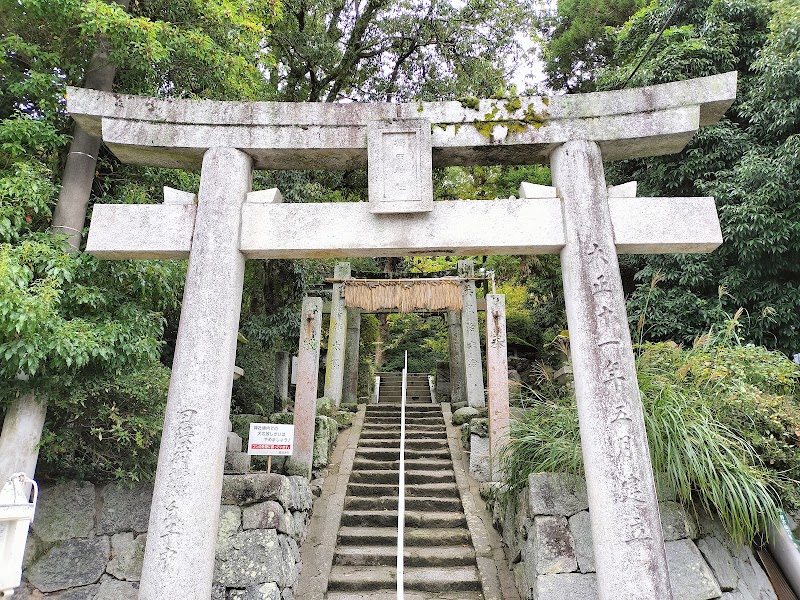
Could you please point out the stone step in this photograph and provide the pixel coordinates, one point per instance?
(412, 477)
(412, 464)
(410, 406)
(424, 444)
(411, 444)
(388, 518)
(410, 420)
(412, 433)
(418, 391)
(439, 558)
(398, 385)
(399, 374)
(435, 579)
(411, 398)
(440, 490)
(439, 428)
(394, 434)
(391, 594)
(392, 423)
(387, 418)
(412, 503)
(394, 454)
(419, 556)
(383, 536)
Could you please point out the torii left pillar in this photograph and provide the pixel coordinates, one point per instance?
(182, 535)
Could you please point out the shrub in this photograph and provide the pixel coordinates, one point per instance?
(254, 392)
(722, 420)
(107, 428)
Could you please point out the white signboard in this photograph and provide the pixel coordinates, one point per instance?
(294, 370)
(270, 439)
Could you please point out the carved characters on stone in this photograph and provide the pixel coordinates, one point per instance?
(169, 530)
(399, 166)
(629, 491)
(310, 341)
(185, 436)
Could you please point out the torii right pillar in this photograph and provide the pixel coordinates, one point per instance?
(623, 506)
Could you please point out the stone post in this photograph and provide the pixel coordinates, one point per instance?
(456, 343)
(497, 380)
(473, 371)
(305, 395)
(350, 391)
(626, 528)
(282, 380)
(334, 366)
(179, 557)
(22, 431)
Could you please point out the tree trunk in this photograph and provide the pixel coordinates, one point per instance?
(76, 185)
(24, 420)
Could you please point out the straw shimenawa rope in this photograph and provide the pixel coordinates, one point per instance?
(404, 296)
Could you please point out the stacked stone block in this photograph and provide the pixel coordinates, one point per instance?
(236, 461)
(549, 538)
(87, 541)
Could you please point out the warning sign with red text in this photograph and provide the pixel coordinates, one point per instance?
(270, 439)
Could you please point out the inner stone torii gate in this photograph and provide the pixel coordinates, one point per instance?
(396, 296)
(579, 219)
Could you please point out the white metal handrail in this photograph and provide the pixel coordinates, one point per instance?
(401, 491)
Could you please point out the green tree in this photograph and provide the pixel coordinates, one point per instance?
(579, 39)
(341, 50)
(68, 321)
(330, 50)
(748, 162)
(423, 337)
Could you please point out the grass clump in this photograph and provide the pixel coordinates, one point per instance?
(723, 425)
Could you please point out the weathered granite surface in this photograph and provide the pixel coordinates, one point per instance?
(263, 519)
(65, 511)
(70, 563)
(691, 577)
(556, 494)
(125, 509)
(549, 542)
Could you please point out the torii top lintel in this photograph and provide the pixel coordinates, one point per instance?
(638, 122)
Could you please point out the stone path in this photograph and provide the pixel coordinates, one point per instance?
(439, 556)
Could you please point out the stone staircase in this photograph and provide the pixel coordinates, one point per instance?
(418, 389)
(439, 556)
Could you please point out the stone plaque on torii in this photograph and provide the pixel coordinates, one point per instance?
(581, 220)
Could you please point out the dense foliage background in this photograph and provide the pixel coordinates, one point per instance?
(88, 334)
(96, 338)
(749, 162)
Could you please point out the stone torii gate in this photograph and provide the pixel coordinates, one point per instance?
(341, 377)
(341, 370)
(581, 220)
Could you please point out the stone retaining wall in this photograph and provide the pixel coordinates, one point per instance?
(550, 546)
(87, 542)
